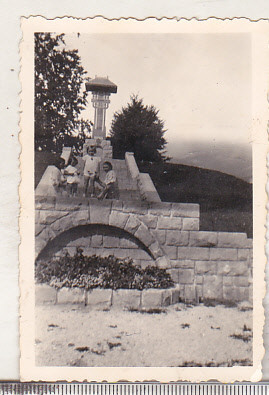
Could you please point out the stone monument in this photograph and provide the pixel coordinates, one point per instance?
(101, 89)
(133, 185)
(138, 225)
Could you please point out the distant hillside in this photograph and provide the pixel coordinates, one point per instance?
(228, 158)
(225, 201)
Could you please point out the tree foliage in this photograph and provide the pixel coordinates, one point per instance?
(59, 76)
(138, 129)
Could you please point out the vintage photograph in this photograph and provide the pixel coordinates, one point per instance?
(143, 198)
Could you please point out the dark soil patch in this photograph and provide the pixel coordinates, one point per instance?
(246, 329)
(244, 338)
(113, 345)
(147, 311)
(82, 349)
(98, 352)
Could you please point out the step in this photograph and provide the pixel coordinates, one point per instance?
(130, 195)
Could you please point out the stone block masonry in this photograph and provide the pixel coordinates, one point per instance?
(108, 298)
(204, 265)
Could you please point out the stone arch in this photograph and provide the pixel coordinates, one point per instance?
(102, 215)
(86, 231)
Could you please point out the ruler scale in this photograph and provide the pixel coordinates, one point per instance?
(133, 389)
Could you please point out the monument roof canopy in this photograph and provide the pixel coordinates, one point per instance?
(101, 84)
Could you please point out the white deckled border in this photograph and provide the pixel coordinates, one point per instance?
(259, 33)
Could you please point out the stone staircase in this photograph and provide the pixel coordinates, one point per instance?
(132, 184)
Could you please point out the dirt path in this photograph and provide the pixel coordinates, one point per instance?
(182, 336)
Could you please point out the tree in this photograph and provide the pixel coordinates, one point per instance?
(74, 138)
(59, 76)
(138, 129)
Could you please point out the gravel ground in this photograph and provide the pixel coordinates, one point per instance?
(179, 336)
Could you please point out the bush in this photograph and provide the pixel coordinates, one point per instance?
(94, 271)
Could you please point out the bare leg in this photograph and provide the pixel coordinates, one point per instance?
(69, 189)
(104, 192)
(74, 189)
(91, 185)
(102, 184)
(86, 183)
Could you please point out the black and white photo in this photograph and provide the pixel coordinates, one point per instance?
(145, 209)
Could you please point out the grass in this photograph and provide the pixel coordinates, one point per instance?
(211, 364)
(211, 303)
(216, 302)
(225, 201)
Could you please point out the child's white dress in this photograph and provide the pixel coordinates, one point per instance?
(71, 175)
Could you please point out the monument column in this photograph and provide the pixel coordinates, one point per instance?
(101, 89)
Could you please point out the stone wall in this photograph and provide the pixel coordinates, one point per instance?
(106, 298)
(102, 243)
(205, 265)
(145, 185)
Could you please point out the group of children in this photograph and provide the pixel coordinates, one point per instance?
(69, 177)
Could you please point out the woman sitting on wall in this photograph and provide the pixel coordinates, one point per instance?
(53, 180)
(109, 185)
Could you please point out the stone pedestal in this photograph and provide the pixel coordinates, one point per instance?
(103, 147)
(66, 154)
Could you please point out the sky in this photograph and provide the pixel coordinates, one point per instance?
(200, 83)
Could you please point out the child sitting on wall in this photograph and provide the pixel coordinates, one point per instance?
(109, 185)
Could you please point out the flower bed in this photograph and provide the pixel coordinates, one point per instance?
(104, 282)
(90, 272)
